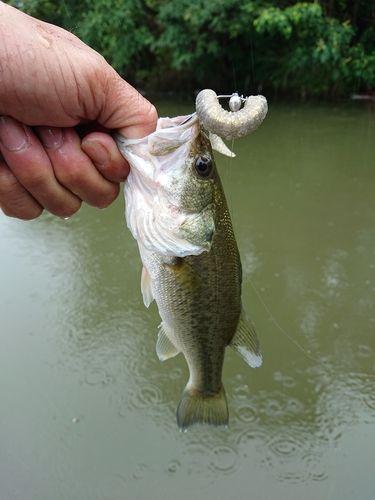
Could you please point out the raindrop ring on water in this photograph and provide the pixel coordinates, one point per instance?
(146, 397)
(224, 459)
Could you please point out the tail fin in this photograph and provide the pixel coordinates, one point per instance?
(198, 408)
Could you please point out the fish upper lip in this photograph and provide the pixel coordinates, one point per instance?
(187, 122)
(174, 122)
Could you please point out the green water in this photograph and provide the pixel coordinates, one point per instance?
(87, 410)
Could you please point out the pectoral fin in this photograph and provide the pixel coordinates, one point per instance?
(165, 349)
(245, 342)
(146, 288)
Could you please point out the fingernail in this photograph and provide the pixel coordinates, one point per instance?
(97, 152)
(13, 134)
(50, 136)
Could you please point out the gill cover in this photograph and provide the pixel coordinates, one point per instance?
(153, 214)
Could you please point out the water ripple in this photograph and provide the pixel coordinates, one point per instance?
(207, 454)
(294, 455)
(315, 468)
(139, 472)
(250, 438)
(98, 376)
(295, 406)
(247, 412)
(148, 395)
(364, 351)
(224, 459)
(276, 406)
(369, 400)
(173, 467)
(175, 374)
(286, 444)
(241, 393)
(288, 382)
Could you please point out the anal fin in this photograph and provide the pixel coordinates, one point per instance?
(165, 348)
(245, 342)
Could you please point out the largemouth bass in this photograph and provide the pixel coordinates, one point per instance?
(177, 211)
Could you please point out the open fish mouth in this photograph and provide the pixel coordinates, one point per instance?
(171, 133)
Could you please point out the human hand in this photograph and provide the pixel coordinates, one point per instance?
(53, 87)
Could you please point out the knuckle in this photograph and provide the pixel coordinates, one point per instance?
(36, 181)
(71, 175)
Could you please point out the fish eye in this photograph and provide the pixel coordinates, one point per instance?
(203, 166)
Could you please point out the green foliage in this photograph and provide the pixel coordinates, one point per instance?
(303, 48)
(211, 40)
(294, 48)
(118, 30)
(61, 12)
(361, 59)
(313, 47)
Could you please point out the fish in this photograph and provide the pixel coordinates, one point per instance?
(177, 211)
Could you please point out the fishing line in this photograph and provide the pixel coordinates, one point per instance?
(230, 180)
(67, 10)
(234, 75)
(327, 367)
(252, 60)
(232, 149)
(281, 329)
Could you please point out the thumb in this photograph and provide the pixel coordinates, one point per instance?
(127, 110)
